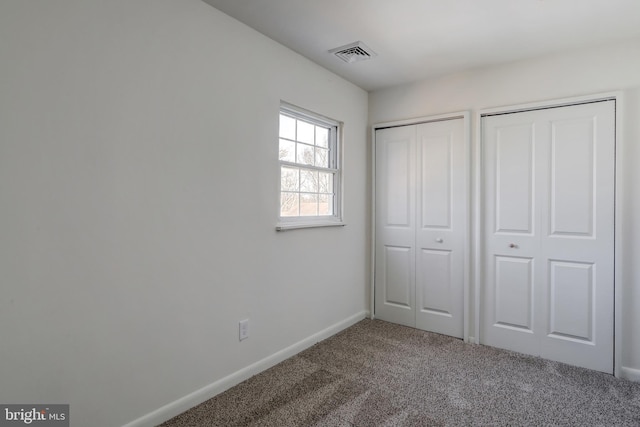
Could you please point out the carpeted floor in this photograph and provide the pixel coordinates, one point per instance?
(380, 374)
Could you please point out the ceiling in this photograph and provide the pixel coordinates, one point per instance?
(418, 39)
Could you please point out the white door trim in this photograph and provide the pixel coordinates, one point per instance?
(465, 116)
(478, 197)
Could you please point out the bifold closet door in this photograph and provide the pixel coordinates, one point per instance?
(395, 270)
(548, 244)
(421, 225)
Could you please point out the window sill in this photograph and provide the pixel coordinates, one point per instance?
(297, 225)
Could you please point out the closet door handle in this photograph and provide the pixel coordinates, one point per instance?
(513, 246)
(439, 240)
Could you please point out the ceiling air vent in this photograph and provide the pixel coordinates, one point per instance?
(353, 52)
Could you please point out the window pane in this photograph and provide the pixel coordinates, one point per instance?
(289, 204)
(308, 181)
(322, 137)
(305, 132)
(325, 204)
(287, 127)
(287, 150)
(305, 154)
(325, 183)
(289, 179)
(322, 157)
(308, 204)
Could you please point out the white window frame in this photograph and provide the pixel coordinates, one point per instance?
(335, 167)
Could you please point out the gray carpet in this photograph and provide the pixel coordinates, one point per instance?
(380, 374)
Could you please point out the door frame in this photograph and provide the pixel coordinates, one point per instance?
(477, 206)
(465, 116)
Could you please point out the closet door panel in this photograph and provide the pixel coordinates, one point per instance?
(421, 211)
(395, 225)
(549, 185)
(441, 231)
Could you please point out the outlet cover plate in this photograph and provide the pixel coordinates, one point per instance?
(244, 329)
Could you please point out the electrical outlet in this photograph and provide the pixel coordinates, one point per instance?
(244, 329)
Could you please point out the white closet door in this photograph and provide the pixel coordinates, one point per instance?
(440, 227)
(421, 226)
(395, 225)
(548, 233)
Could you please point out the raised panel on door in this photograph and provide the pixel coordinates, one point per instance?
(395, 225)
(572, 177)
(396, 277)
(397, 159)
(571, 315)
(435, 174)
(566, 231)
(513, 289)
(509, 317)
(434, 281)
(514, 177)
(441, 227)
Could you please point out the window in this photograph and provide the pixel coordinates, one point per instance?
(309, 169)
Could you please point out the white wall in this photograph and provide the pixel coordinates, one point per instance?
(583, 72)
(138, 203)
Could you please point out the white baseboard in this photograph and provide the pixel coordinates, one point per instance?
(630, 374)
(177, 407)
